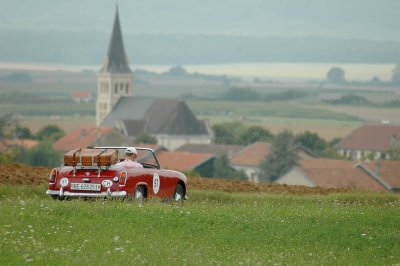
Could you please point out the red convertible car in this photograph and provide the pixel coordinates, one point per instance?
(93, 172)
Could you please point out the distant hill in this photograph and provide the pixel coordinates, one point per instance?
(89, 48)
(202, 32)
(344, 19)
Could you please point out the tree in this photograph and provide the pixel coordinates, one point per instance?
(311, 141)
(5, 122)
(336, 75)
(145, 138)
(222, 169)
(242, 94)
(23, 132)
(254, 134)
(50, 132)
(396, 75)
(237, 133)
(228, 133)
(394, 153)
(176, 71)
(40, 155)
(281, 159)
(19, 77)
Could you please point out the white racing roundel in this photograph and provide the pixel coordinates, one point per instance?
(156, 183)
(106, 183)
(64, 182)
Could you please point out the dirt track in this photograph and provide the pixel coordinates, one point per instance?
(29, 175)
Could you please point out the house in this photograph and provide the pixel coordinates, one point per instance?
(386, 172)
(250, 158)
(81, 96)
(216, 149)
(170, 121)
(91, 136)
(369, 141)
(25, 143)
(329, 173)
(186, 161)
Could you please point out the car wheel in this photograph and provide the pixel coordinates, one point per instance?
(139, 194)
(179, 194)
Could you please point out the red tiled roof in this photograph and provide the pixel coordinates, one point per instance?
(338, 174)
(79, 138)
(370, 137)
(389, 171)
(216, 149)
(182, 161)
(26, 143)
(252, 155)
(81, 94)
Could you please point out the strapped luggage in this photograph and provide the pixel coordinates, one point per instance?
(91, 157)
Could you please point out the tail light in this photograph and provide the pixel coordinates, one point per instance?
(53, 175)
(122, 177)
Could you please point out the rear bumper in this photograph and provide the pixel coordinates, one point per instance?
(108, 194)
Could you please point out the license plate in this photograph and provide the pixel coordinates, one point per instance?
(85, 186)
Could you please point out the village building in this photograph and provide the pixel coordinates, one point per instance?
(170, 121)
(250, 158)
(370, 141)
(84, 96)
(330, 173)
(216, 149)
(24, 143)
(91, 136)
(202, 163)
(386, 172)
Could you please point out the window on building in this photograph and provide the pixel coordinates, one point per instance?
(116, 88)
(127, 88)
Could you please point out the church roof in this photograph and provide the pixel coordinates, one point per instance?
(172, 117)
(116, 61)
(154, 116)
(127, 108)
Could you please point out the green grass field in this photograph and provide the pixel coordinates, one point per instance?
(288, 109)
(211, 228)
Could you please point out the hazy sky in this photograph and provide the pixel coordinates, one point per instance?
(367, 19)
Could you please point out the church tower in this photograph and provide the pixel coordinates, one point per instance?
(115, 78)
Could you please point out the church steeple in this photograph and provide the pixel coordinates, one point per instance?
(115, 79)
(116, 60)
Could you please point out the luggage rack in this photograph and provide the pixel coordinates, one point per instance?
(92, 167)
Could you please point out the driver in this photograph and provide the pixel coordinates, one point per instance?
(130, 157)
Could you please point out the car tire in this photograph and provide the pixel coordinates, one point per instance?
(179, 193)
(140, 194)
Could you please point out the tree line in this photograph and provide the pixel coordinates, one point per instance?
(40, 155)
(337, 75)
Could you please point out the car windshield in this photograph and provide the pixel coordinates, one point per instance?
(145, 156)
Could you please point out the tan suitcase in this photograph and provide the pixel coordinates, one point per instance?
(91, 157)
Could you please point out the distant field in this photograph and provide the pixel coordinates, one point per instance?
(309, 113)
(265, 109)
(278, 116)
(372, 115)
(49, 109)
(68, 124)
(211, 228)
(327, 129)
